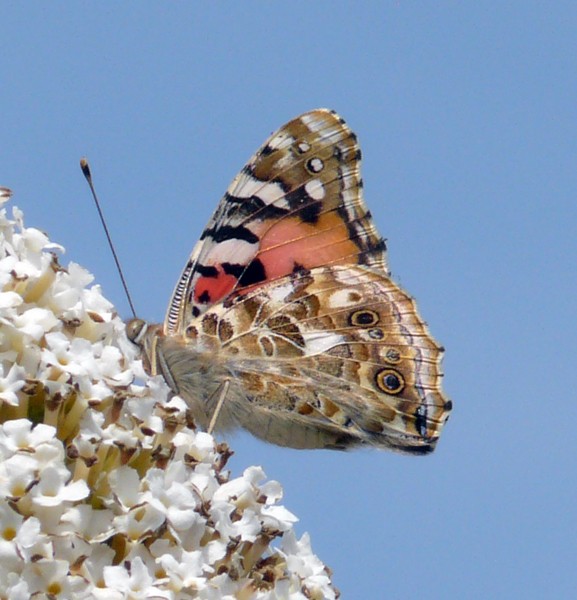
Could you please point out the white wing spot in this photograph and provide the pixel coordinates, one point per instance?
(342, 299)
(281, 140)
(278, 293)
(246, 186)
(315, 189)
(320, 123)
(316, 165)
(317, 342)
(234, 251)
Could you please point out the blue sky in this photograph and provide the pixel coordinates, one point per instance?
(467, 117)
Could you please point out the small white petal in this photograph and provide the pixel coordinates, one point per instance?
(10, 300)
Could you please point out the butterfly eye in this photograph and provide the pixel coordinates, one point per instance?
(134, 329)
(390, 381)
(364, 318)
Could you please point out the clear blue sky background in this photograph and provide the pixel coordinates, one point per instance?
(467, 116)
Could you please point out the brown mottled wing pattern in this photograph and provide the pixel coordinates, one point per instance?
(334, 357)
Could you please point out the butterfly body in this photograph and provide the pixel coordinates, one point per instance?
(286, 306)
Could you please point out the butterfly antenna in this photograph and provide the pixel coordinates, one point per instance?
(86, 171)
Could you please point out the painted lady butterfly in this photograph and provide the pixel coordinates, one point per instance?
(285, 317)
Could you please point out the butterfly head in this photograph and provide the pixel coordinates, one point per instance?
(135, 330)
(144, 335)
(152, 343)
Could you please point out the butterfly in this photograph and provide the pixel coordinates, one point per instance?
(285, 320)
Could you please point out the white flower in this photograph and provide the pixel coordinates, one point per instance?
(10, 526)
(143, 410)
(93, 567)
(175, 499)
(302, 561)
(190, 569)
(16, 475)
(66, 294)
(52, 489)
(21, 435)
(246, 528)
(35, 322)
(31, 542)
(278, 518)
(134, 581)
(10, 300)
(13, 586)
(109, 365)
(139, 522)
(125, 483)
(72, 356)
(12, 383)
(48, 577)
(87, 522)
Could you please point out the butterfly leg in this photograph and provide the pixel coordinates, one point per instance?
(221, 398)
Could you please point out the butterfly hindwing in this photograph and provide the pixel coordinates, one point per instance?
(334, 356)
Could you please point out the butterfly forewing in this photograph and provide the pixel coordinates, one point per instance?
(297, 203)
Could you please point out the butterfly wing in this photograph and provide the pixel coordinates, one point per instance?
(296, 204)
(329, 357)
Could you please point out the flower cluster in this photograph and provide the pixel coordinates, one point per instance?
(106, 489)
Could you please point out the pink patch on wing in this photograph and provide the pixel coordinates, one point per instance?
(285, 244)
(215, 288)
(293, 242)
